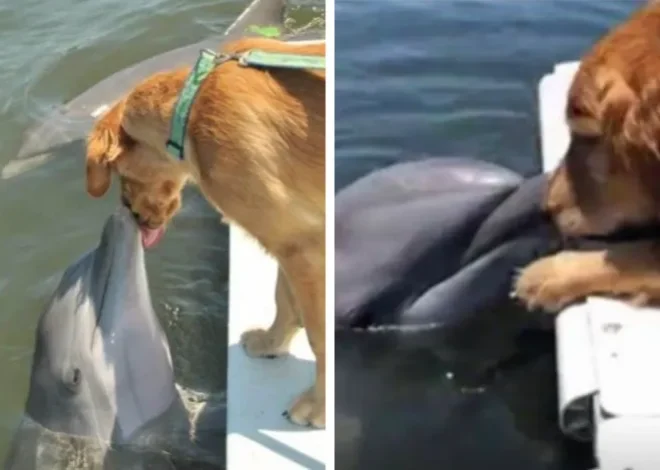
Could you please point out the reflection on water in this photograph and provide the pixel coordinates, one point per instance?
(49, 56)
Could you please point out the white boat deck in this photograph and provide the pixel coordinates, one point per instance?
(259, 390)
(606, 349)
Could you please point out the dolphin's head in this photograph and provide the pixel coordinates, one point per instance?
(102, 366)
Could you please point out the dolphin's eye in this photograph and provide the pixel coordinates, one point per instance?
(74, 379)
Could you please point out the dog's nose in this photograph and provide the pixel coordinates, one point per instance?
(136, 216)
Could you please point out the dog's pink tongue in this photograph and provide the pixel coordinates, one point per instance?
(151, 236)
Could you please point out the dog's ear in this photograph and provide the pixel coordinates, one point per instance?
(105, 143)
(642, 122)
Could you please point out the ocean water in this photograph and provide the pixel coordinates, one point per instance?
(452, 77)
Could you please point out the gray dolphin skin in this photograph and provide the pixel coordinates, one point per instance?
(434, 362)
(102, 369)
(100, 345)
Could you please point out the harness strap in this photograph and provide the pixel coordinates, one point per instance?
(258, 58)
(204, 65)
(206, 62)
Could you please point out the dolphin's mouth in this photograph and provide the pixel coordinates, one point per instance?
(151, 236)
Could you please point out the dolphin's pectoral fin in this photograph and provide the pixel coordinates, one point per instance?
(276, 340)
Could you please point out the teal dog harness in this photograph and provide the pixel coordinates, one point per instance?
(206, 62)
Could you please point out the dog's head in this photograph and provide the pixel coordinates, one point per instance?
(610, 175)
(588, 196)
(151, 182)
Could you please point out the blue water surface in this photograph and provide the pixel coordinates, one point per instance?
(452, 77)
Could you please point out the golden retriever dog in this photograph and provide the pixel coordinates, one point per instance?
(610, 175)
(255, 146)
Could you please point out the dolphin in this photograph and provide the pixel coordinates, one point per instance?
(102, 389)
(434, 362)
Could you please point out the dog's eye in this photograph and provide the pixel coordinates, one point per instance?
(584, 141)
(167, 188)
(575, 109)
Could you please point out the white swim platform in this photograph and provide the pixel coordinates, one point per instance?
(259, 390)
(609, 381)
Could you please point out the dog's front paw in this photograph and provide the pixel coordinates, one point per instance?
(261, 343)
(308, 410)
(542, 284)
